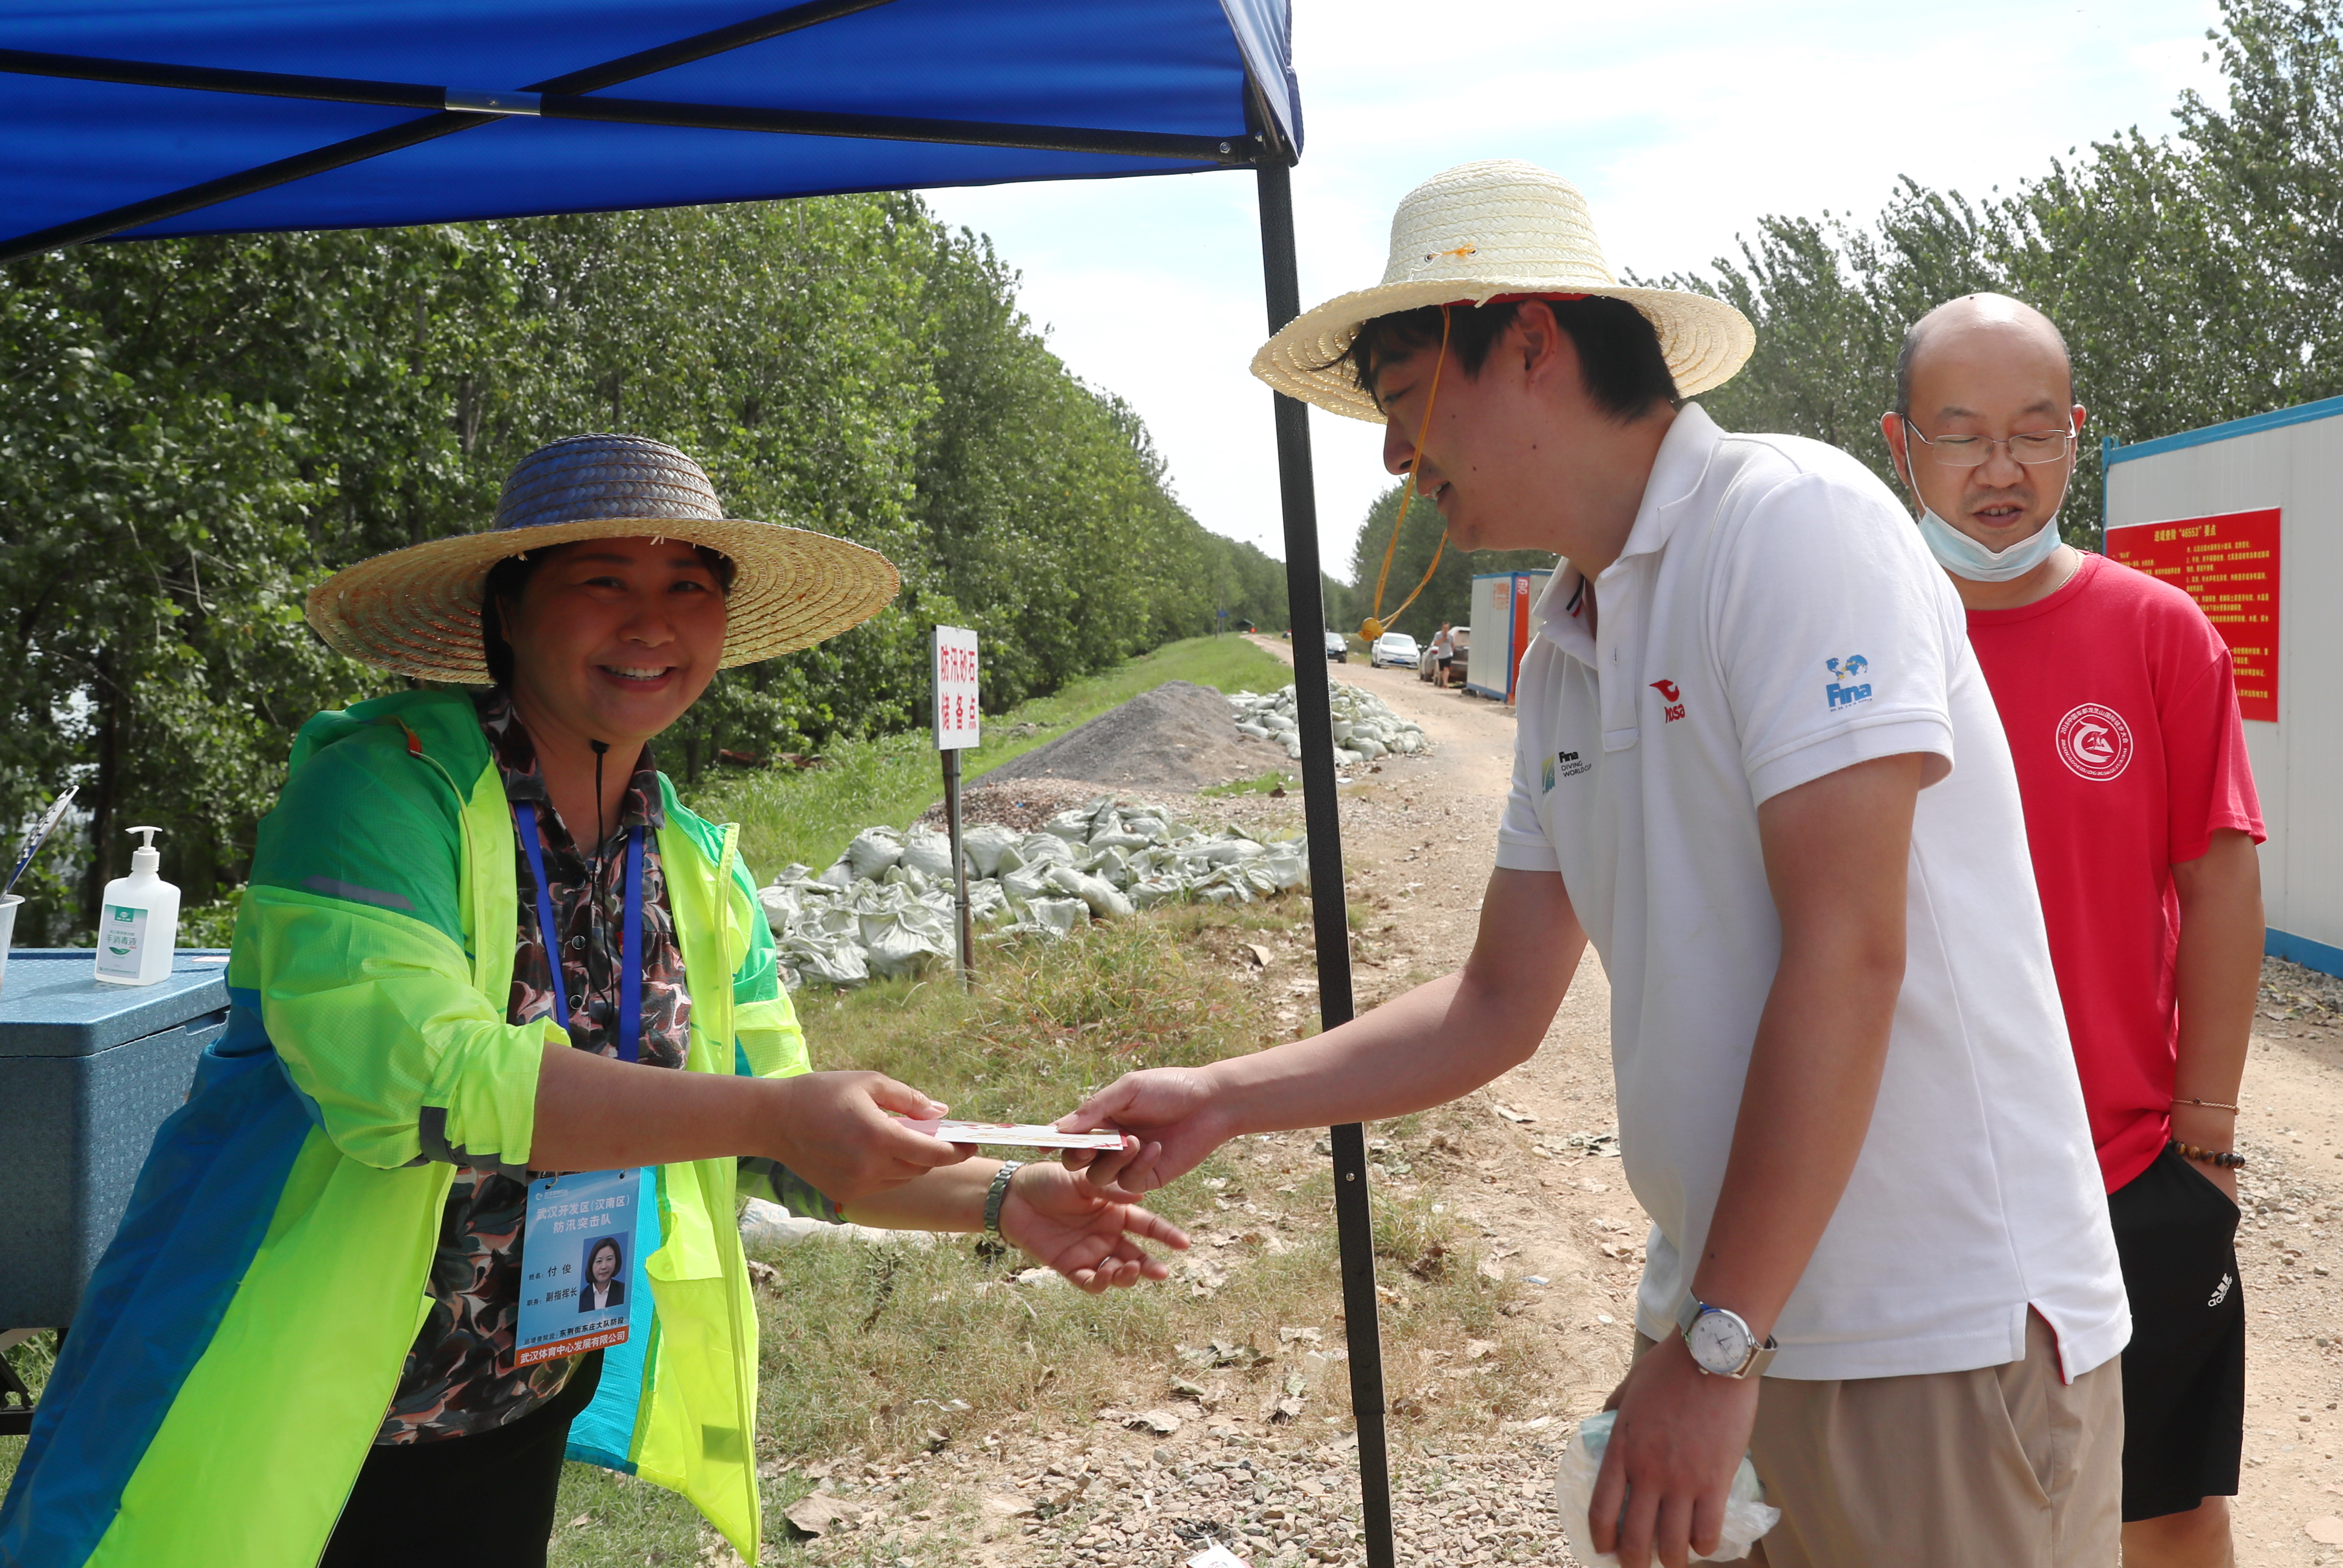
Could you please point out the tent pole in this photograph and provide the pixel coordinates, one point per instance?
(1330, 908)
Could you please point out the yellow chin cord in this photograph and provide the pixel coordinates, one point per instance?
(1373, 627)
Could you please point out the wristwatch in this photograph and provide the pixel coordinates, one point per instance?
(1721, 1343)
(998, 1194)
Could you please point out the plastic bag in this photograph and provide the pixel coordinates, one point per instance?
(1746, 1513)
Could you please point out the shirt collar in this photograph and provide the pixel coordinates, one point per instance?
(1677, 469)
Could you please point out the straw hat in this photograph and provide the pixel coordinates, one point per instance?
(416, 611)
(1470, 234)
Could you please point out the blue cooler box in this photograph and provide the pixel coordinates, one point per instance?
(87, 1073)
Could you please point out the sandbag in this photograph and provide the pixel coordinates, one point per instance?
(1096, 892)
(929, 852)
(873, 850)
(984, 844)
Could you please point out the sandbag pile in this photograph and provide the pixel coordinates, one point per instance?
(1365, 727)
(886, 907)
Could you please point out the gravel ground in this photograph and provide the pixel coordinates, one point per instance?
(1140, 1502)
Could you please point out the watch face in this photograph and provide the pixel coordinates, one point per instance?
(1719, 1342)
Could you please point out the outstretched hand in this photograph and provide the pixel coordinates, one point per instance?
(1171, 1118)
(840, 1132)
(1060, 1221)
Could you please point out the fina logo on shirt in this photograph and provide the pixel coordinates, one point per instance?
(1566, 764)
(1848, 686)
(2094, 743)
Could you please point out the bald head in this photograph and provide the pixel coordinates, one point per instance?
(1981, 325)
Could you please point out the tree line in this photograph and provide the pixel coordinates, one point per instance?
(194, 433)
(2196, 276)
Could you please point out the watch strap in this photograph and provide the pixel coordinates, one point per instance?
(998, 1194)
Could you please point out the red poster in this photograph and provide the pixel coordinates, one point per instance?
(2228, 564)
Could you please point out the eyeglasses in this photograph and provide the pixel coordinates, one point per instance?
(2027, 447)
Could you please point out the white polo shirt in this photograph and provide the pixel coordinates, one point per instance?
(1775, 618)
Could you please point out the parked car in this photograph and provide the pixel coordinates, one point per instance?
(1338, 649)
(1395, 648)
(1428, 667)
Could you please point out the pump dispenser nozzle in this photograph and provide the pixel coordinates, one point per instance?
(138, 920)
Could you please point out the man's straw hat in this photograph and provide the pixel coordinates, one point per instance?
(416, 611)
(1478, 231)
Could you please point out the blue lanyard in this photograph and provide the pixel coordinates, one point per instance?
(630, 951)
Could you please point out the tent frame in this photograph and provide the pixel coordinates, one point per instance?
(452, 110)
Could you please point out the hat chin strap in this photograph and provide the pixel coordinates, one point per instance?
(1372, 627)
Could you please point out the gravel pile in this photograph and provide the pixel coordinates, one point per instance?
(1176, 737)
(1365, 727)
(1276, 1502)
(887, 906)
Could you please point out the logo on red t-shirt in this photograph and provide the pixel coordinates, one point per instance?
(2094, 741)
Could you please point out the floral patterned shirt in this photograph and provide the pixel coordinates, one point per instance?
(459, 1377)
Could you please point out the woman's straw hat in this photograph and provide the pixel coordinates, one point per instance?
(1470, 234)
(416, 611)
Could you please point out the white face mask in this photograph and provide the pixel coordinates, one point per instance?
(1965, 558)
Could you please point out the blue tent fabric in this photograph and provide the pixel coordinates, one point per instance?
(74, 149)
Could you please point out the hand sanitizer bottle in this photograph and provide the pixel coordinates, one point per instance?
(138, 923)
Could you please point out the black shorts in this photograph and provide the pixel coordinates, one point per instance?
(2183, 1373)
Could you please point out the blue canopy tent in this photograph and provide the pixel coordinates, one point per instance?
(130, 119)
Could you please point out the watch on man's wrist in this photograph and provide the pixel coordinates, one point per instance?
(1722, 1344)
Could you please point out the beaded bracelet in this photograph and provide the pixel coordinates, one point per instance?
(2220, 1157)
(2208, 1104)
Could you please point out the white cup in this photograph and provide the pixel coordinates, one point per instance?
(8, 903)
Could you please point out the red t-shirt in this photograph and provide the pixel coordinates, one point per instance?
(2122, 716)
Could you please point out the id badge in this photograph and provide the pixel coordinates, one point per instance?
(577, 1264)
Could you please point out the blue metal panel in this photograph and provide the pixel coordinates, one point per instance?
(2253, 424)
(2310, 955)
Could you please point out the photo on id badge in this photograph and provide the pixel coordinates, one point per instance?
(578, 1249)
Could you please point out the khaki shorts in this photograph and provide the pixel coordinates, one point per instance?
(2004, 1465)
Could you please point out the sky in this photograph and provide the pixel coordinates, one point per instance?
(1682, 121)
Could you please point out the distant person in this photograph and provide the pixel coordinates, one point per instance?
(2121, 708)
(1444, 654)
(603, 1289)
(483, 939)
(1845, 1092)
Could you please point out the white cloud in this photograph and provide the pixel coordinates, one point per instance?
(1684, 123)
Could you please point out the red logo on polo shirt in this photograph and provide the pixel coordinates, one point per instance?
(2095, 742)
(1672, 698)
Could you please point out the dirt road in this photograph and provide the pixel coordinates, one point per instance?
(1425, 835)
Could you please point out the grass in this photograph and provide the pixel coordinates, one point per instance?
(864, 1347)
(1273, 782)
(32, 1360)
(809, 816)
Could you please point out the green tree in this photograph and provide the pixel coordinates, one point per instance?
(2196, 276)
(194, 433)
(1448, 596)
